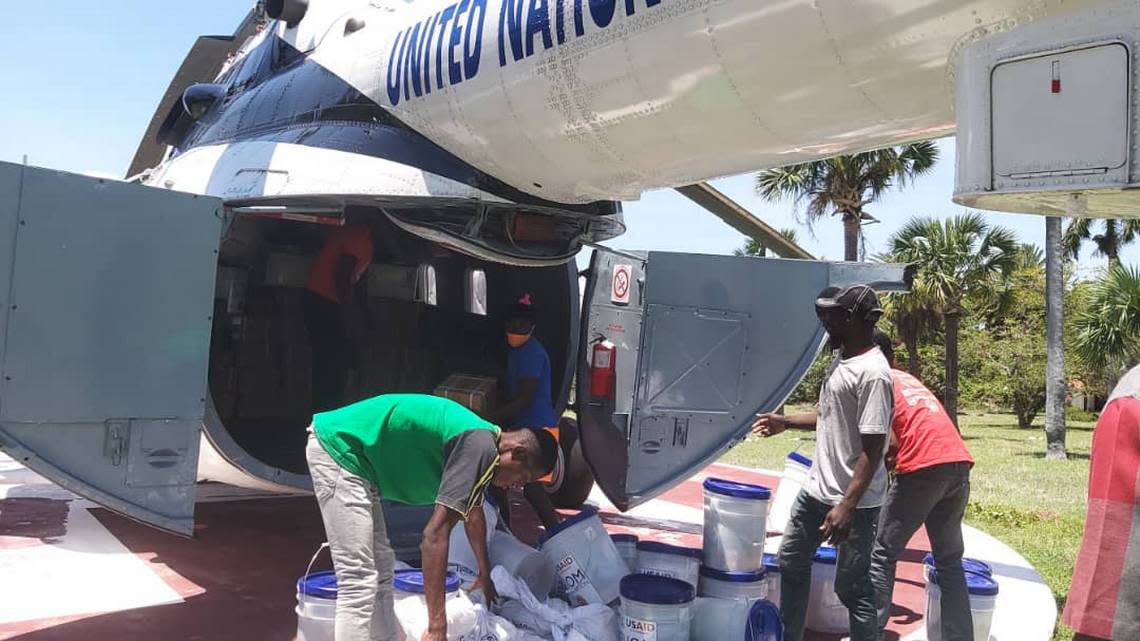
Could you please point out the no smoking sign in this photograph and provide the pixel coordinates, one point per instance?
(623, 277)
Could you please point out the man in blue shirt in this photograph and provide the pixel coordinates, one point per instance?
(529, 403)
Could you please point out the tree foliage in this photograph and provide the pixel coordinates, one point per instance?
(1107, 331)
(1114, 235)
(1004, 357)
(959, 259)
(845, 185)
(754, 247)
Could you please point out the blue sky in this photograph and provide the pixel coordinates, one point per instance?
(82, 79)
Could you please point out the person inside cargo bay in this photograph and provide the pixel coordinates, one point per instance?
(841, 499)
(529, 402)
(329, 310)
(418, 450)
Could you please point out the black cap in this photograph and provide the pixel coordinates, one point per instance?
(859, 300)
(523, 309)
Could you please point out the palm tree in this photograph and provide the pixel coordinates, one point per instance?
(914, 322)
(1108, 330)
(957, 258)
(756, 248)
(845, 185)
(1116, 234)
(1000, 300)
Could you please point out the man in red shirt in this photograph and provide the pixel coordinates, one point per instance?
(931, 487)
(335, 273)
(1104, 598)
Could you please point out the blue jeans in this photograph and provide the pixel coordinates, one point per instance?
(852, 582)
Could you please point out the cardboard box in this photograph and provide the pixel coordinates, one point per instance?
(477, 393)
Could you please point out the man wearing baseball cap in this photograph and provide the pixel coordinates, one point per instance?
(841, 499)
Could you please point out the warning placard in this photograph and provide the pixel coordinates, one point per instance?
(622, 281)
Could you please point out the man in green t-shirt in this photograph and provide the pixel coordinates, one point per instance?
(418, 450)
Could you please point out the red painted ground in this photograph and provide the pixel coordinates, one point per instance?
(237, 575)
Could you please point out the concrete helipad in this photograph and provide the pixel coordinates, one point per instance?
(70, 570)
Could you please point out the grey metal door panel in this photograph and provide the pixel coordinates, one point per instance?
(111, 298)
(698, 371)
(603, 420)
(9, 203)
(107, 338)
(720, 339)
(110, 464)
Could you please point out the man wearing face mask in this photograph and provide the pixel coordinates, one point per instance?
(529, 403)
(846, 486)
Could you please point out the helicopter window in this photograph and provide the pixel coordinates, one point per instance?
(230, 73)
(426, 291)
(285, 55)
(475, 291)
(254, 66)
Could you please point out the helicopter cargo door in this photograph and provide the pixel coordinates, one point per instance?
(680, 351)
(107, 293)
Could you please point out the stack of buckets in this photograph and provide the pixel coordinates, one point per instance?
(983, 591)
(735, 529)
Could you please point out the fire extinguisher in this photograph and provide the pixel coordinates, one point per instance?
(603, 368)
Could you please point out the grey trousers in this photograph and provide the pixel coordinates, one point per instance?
(852, 584)
(361, 554)
(937, 497)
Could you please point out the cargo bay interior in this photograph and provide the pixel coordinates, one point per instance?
(430, 312)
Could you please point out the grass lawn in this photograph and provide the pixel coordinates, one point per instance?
(1035, 506)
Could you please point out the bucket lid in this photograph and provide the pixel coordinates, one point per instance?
(826, 555)
(656, 590)
(737, 490)
(763, 622)
(732, 577)
(799, 458)
(624, 538)
(665, 548)
(556, 529)
(976, 583)
(412, 581)
(970, 565)
(321, 585)
(771, 562)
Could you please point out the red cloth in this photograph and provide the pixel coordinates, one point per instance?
(355, 241)
(1103, 600)
(926, 435)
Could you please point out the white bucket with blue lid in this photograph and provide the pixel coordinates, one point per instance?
(983, 591)
(411, 582)
(316, 602)
(745, 586)
(825, 613)
(587, 562)
(969, 565)
(735, 529)
(627, 547)
(410, 606)
(796, 470)
(735, 620)
(656, 608)
(772, 578)
(316, 606)
(671, 561)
